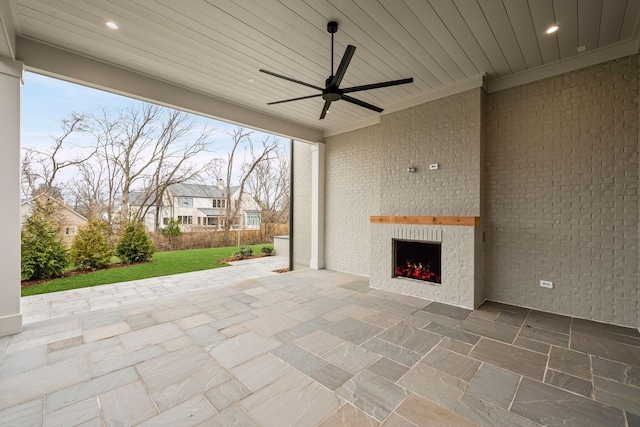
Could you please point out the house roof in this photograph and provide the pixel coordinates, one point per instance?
(140, 198)
(198, 190)
(216, 49)
(195, 190)
(57, 201)
(209, 211)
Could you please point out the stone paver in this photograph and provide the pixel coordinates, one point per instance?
(47, 306)
(247, 346)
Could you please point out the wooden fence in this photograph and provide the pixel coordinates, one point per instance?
(215, 239)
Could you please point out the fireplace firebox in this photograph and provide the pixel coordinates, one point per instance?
(417, 260)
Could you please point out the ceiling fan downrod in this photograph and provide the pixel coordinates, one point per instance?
(332, 27)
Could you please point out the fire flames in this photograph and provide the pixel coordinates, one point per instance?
(418, 271)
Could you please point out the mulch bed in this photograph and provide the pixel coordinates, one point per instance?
(233, 259)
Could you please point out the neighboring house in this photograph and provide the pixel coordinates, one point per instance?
(70, 220)
(142, 201)
(198, 207)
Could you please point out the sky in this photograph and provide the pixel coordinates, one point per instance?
(46, 101)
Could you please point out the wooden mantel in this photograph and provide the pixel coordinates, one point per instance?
(472, 221)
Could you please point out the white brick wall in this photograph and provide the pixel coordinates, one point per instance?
(557, 195)
(445, 131)
(366, 173)
(562, 193)
(352, 194)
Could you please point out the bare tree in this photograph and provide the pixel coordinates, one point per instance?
(41, 169)
(176, 157)
(257, 155)
(269, 186)
(133, 149)
(88, 191)
(146, 149)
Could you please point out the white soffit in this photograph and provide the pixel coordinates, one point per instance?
(215, 48)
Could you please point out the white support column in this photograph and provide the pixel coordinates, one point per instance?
(10, 88)
(317, 207)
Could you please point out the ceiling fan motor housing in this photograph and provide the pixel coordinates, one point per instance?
(329, 95)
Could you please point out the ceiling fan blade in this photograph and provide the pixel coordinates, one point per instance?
(342, 68)
(325, 109)
(294, 99)
(290, 79)
(377, 85)
(362, 103)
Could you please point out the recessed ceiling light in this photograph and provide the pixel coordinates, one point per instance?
(251, 81)
(552, 29)
(112, 25)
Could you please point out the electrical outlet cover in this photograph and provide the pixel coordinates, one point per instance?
(546, 284)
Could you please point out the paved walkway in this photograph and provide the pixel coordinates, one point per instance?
(243, 346)
(57, 304)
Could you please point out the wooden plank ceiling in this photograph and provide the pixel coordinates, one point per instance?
(218, 46)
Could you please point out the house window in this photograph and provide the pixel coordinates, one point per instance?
(253, 218)
(69, 231)
(212, 220)
(185, 202)
(185, 219)
(219, 203)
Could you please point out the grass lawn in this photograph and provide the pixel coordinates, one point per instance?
(163, 264)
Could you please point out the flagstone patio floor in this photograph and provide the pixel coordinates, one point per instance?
(244, 346)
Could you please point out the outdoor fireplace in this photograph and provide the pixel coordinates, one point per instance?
(447, 253)
(418, 260)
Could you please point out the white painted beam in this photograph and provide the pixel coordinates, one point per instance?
(80, 69)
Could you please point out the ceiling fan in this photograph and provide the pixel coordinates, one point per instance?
(332, 91)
